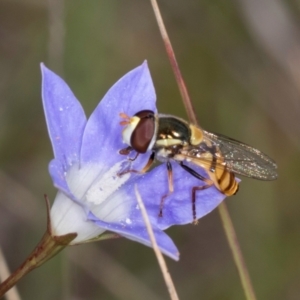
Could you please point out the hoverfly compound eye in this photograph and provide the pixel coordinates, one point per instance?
(145, 114)
(140, 132)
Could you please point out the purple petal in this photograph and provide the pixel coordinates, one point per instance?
(58, 175)
(137, 231)
(177, 208)
(65, 117)
(102, 138)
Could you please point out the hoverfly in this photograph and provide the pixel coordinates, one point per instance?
(171, 138)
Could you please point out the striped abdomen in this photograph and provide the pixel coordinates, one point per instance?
(223, 179)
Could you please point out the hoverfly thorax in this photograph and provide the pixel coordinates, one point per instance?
(175, 131)
(140, 131)
(196, 135)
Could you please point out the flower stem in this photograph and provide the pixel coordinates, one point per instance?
(171, 55)
(226, 220)
(236, 252)
(46, 249)
(162, 263)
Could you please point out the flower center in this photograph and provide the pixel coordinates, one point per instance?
(98, 187)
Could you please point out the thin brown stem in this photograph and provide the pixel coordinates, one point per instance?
(236, 251)
(226, 220)
(162, 263)
(171, 55)
(46, 249)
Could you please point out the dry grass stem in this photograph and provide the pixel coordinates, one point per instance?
(159, 256)
(226, 220)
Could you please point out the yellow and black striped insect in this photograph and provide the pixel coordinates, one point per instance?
(173, 139)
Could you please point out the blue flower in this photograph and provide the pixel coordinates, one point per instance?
(91, 197)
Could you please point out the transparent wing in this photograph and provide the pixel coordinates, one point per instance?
(243, 159)
(233, 155)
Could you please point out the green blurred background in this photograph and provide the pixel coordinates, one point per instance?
(241, 63)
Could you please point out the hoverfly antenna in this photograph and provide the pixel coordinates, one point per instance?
(126, 118)
(123, 115)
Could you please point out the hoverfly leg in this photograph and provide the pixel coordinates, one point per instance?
(194, 190)
(171, 188)
(149, 163)
(208, 184)
(134, 158)
(193, 172)
(144, 170)
(126, 150)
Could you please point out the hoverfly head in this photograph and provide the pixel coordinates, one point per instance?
(139, 131)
